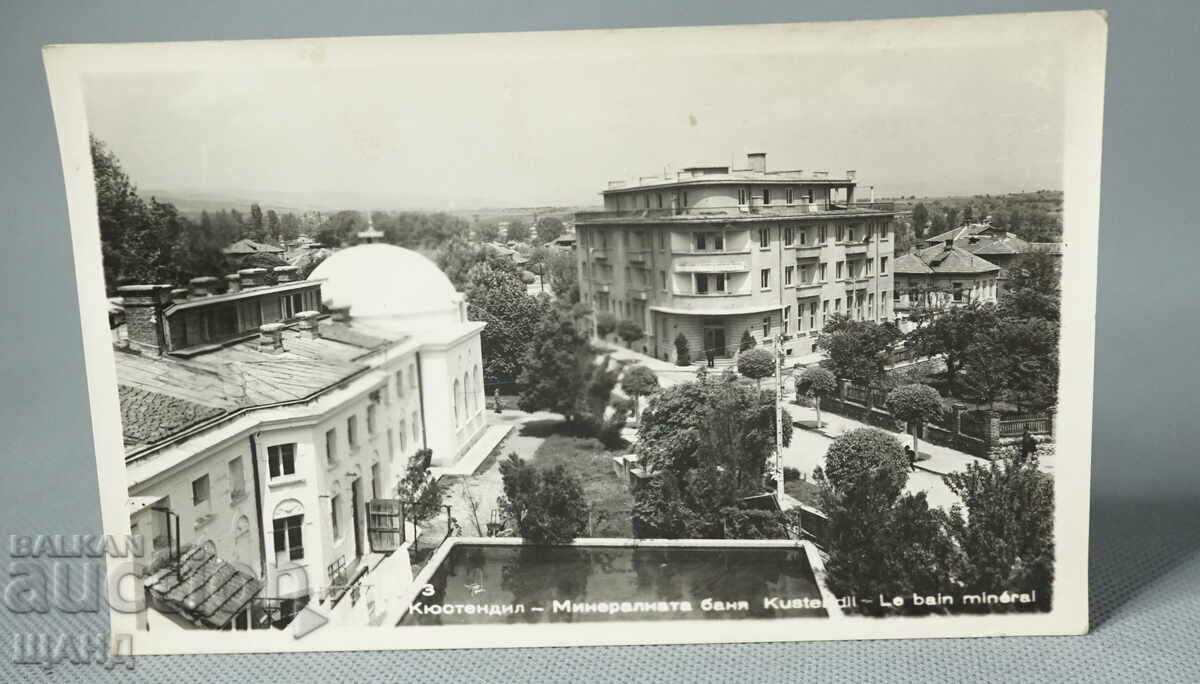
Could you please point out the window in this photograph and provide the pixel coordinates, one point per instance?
(662, 240)
(869, 263)
(824, 308)
(764, 238)
(766, 327)
(805, 274)
(646, 201)
(370, 419)
(416, 427)
(883, 265)
(331, 446)
(850, 234)
(766, 195)
(823, 234)
(685, 198)
(352, 431)
(289, 540)
(787, 318)
(870, 304)
(803, 237)
(824, 272)
(399, 383)
(290, 305)
(374, 480)
(958, 291)
(200, 490)
(335, 504)
(789, 195)
(789, 235)
(237, 479)
(403, 436)
(743, 195)
(841, 232)
(812, 315)
(412, 375)
(787, 274)
(764, 277)
(662, 280)
(281, 460)
(701, 242)
(840, 268)
(658, 198)
(718, 240)
(837, 305)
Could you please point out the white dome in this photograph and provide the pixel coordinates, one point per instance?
(385, 280)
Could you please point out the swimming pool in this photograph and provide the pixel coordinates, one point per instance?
(492, 581)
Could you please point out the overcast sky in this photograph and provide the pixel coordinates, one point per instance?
(553, 131)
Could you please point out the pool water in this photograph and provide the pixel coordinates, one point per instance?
(536, 577)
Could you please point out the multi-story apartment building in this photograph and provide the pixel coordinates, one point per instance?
(711, 252)
(259, 422)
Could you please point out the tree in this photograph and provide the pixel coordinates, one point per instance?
(757, 364)
(638, 381)
(682, 356)
(556, 366)
(747, 342)
(985, 364)
(817, 382)
(563, 273)
(547, 505)
(606, 323)
(549, 228)
(421, 493)
(950, 332)
(880, 542)
(629, 331)
(920, 218)
(708, 446)
(518, 231)
(499, 298)
(1007, 534)
(257, 226)
(915, 405)
(857, 350)
(273, 230)
(1032, 290)
(1030, 348)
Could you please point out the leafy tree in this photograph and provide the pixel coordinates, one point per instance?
(630, 332)
(257, 226)
(682, 356)
(557, 365)
(1030, 349)
(857, 350)
(1032, 290)
(547, 505)
(422, 494)
(563, 273)
(869, 455)
(920, 218)
(879, 541)
(757, 364)
(457, 257)
(499, 298)
(816, 382)
(549, 228)
(915, 405)
(1007, 534)
(950, 332)
(606, 323)
(518, 231)
(748, 341)
(273, 231)
(638, 381)
(985, 364)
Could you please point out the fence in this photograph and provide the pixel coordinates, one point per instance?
(975, 432)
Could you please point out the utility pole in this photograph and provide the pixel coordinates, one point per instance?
(778, 421)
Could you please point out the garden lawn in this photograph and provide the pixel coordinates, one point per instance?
(588, 461)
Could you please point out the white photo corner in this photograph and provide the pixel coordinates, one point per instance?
(554, 338)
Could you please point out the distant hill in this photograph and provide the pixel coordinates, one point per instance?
(192, 203)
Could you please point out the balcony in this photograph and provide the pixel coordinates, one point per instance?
(808, 252)
(780, 209)
(812, 286)
(855, 247)
(637, 255)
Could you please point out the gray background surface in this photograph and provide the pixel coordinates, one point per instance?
(1144, 563)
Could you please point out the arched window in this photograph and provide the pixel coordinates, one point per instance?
(288, 531)
(457, 399)
(468, 397)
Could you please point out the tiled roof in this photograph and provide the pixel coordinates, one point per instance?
(248, 246)
(148, 416)
(939, 259)
(203, 588)
(982, 239)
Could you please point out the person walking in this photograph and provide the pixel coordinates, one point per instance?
(1028, 445)
(912, 458)
(711, 356)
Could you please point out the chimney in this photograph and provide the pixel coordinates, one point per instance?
(233, 283)
(270, 337)
(202, 286)
(757, 161)
(340, 314)
(285, 274)
(309, 324)
(144, 305)
(850, 174)
(949, 244)
(252, 277)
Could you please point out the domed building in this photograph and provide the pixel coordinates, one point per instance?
(396, 293)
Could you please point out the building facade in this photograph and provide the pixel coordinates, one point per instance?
(940, 276)
(260, 422)
(710, 253)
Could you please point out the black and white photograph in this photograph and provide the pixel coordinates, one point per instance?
(774, 332)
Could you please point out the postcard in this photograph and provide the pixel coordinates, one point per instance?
(669, 335)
